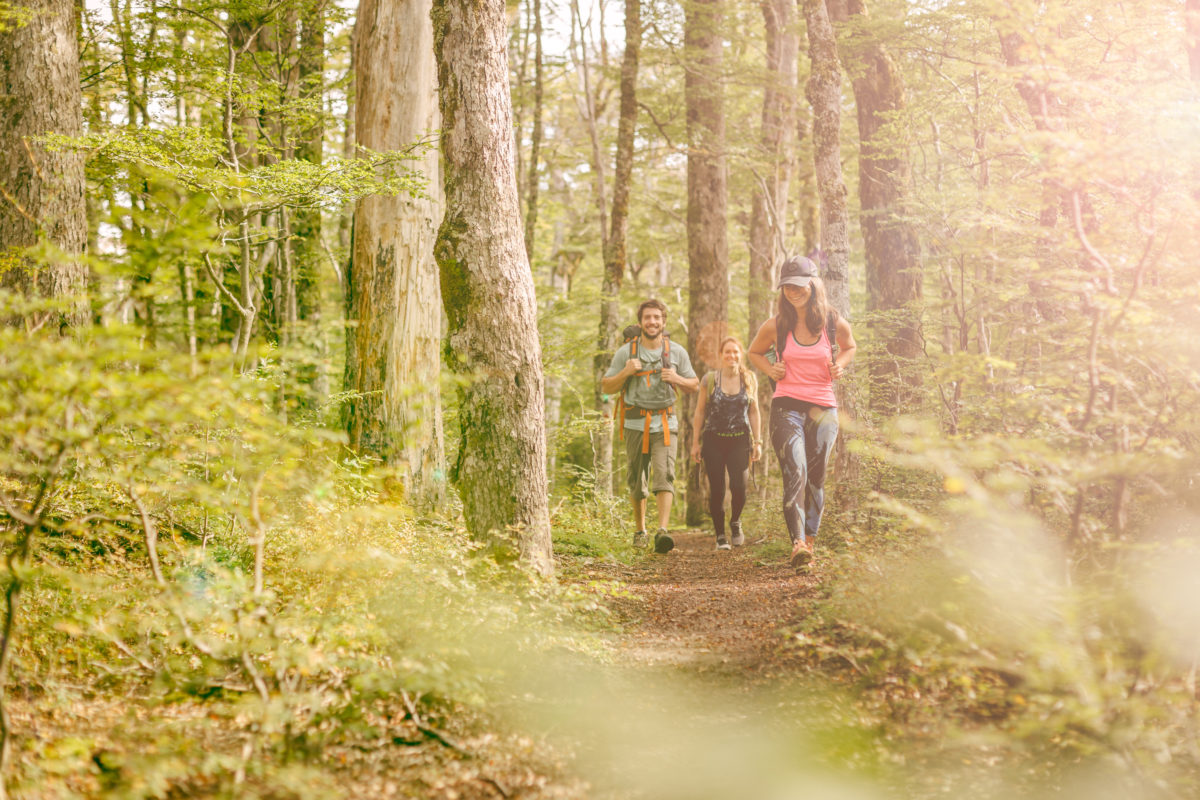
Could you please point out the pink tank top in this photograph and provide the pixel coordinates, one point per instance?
(808, 377)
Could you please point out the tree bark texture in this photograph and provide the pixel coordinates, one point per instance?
(535, 138)
(393, 353)
(894, 278)
(308, 247)
(777, 160)
(615, 252)
(768, 213)
(708, 250)
(43, 191)
(824, 93)
(487, 286)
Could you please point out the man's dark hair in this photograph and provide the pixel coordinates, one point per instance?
(651, 303)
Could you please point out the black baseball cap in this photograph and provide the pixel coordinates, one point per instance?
(797, 271)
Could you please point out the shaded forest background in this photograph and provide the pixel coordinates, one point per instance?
(287, 374)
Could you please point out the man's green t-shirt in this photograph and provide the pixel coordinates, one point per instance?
(649, 391)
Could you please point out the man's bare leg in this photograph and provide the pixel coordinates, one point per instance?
(639, 519)
(663, 501)
(662, 542)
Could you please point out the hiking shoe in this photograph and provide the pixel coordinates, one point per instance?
(662, 542)
(735, 534)
(802, 554)
(722, 544)
(640, 540)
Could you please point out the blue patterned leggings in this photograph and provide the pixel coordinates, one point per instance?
(803, 443)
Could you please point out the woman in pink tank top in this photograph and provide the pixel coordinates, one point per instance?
(804, 422)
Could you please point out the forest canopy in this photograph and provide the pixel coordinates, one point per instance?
(305, 310)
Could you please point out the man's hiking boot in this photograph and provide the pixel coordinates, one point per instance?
(735, 534)
(722, 544)
(640, 540)
(802, 554)
(662, 542)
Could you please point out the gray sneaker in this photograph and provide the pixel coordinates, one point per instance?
(641, 540)
(662, 542)
(735, 534)
(722, 544)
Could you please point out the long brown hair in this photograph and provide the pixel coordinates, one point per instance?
(749, 382)
(816, 312)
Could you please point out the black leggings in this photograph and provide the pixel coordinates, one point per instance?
(721, 453)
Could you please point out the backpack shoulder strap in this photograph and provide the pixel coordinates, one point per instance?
(831, 333)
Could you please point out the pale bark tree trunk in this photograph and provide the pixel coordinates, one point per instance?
(349, 143)
(560, 288)
(535, 138)
(307, 228)
(825, 96)
(808, 216)
(393, 353)
(824, 92)
(43, 191)
(768, 213)
(588, 111)
(615, 248)
(894, 278)
(708, 250)
(769, 209)
(487, 287)
(307, 246)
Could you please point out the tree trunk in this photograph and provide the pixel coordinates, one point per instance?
(708, 255)
(769, 210)
(349, 143)
(393, 360)
(892, 254)
(487, 287)
(615, 254)
(535, 138)
(307, 227)
(43, 191)
(308, 251)
(825, 96)
(768, 213)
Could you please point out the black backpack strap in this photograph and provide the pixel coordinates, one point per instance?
(831, 334)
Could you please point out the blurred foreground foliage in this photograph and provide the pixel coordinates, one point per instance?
(212, 601)
(995, 648)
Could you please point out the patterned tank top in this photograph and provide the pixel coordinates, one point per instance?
(727, 415)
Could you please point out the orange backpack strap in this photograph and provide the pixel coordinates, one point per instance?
(619, 407)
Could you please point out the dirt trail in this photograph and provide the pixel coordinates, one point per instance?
(712, 610)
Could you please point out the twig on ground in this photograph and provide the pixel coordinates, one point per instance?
(428, 730)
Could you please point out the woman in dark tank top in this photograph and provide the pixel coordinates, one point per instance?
(726, 437)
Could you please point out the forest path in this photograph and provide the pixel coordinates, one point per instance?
(712, 611)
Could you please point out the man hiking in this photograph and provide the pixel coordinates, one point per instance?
(646, 371)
